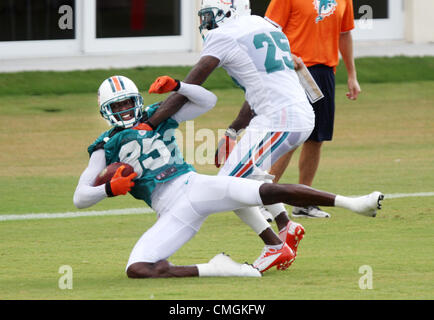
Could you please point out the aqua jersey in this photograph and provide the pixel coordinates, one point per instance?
(154, 155)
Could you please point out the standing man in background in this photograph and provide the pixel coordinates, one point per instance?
(317, 31)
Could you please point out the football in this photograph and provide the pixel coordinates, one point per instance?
(107, 173)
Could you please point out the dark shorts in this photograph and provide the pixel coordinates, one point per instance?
(325, 108)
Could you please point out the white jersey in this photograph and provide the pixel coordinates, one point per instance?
(257, 56)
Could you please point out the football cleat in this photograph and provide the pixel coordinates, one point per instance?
(269, 258)
(292, 235)
(309, 212)
(369, 204)
(266, 214)
(226, 267)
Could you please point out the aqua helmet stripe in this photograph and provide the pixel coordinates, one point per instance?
(112, 84)
(122, 83)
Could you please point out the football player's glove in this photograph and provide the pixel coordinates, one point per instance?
(225, 147)
(145, 126)
(119, 184)
(164, 84)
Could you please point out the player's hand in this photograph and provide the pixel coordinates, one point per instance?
(144, 126)
(164, 84)
(224, 148)
(120, 184)
(298, 63)
(354, 89)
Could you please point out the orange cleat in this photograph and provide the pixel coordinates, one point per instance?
(269, 258)
(292, 235)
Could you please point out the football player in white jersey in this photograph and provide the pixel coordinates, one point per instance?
(181, 198)
(258, 58)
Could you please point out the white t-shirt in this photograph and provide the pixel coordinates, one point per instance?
(257, 56)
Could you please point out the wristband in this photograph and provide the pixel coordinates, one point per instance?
(178, 85)
(108, 189)
(231, 133)
(150, 124)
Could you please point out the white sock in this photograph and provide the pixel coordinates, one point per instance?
(207, 270)
(253, 218)
(227, 270)
(347, 203)
(276, 209)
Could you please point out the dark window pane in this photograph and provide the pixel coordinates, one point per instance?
(36, 20)
(259, 7)
(138, 18)
(380, 8)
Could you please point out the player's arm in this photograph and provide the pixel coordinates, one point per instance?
(86, 194)
(243, 119)
(228, 141)
(175, 101)
(200, 100)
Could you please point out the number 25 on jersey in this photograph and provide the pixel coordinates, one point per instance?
(278, 51)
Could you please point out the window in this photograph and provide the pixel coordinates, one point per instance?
(378, 19)
(380, 8)
(259, 7)
(24, 20)
(138, 18)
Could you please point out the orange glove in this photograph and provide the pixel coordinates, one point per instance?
(225, 147)
(119, 184)
(144, 126)
(164, 84)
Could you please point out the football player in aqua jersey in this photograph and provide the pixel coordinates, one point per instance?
(182, 198)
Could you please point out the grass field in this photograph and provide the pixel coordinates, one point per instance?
(383, 141)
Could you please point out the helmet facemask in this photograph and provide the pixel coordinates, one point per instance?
(209, 18)
(124, 117)
(214, 13)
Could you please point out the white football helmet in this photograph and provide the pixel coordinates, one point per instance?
(214, 13)
(116, 89)
(242, 7)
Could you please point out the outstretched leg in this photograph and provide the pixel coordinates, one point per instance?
(301, 195)
(295, 195)
(219, 266)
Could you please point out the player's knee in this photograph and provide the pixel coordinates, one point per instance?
(140, 270)
(148, 270)
(272, 193)
(161, 268)
(135, 271)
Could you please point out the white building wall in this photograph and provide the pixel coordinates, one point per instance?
(410, 20)
(392, 28)
(419, 21)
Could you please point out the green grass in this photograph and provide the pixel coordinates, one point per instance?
(370, 70)
(383, 141)
(327, 266)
